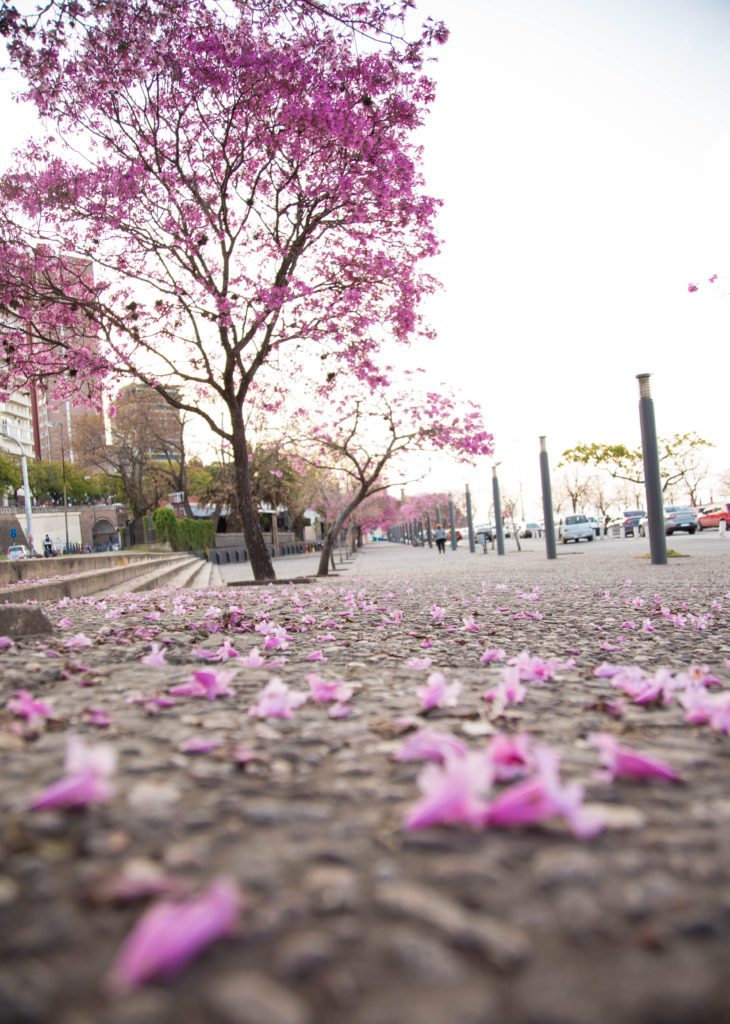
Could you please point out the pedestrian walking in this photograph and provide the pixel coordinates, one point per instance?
(439, 535)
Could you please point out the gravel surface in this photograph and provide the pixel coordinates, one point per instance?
(347, 915)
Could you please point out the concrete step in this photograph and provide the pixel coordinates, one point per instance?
(94, 578)
(174, 574)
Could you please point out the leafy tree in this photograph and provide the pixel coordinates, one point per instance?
(679, 459)
(10, 475)
(247, 185)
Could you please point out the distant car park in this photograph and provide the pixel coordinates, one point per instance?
(629, 522)
(576, 528)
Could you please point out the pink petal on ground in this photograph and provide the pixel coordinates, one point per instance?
(510, 755)
(253, 659)
(622, 762)
(315, 656)
(419, 663)
(77, 790)
(170, 935)
(438, 693)
(430, 745)
(98, 717)
(453, 793)
(198, 745)
(493, 654)
(276, 700)
(155, 657)
(78, 640)
(24, 705)
(340, 710)
(6, 643)
(324, 690)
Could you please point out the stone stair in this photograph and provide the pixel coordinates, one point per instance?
(118, 572)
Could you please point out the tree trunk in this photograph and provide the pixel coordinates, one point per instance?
(255, 543)
(328, 547)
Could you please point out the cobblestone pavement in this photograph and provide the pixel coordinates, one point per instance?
(348, 915)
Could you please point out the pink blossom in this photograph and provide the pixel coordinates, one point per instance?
(156, 655)
(199, 745)
(623, 762)
(419, 663)
(493, 654)
(470, 624)
(169, 935)
(430, 745)
(511, 756)
(6, 643)
(508, 691)
(276, 700)
(98, 717)
(253, 659)
(691, 287)
(438, 693)
(65, 623)
(78, 640)
(453, 793)
(535, 669)
(315, 656)
(340, 710)
(541, 798)
(324, 690)
(426, 644)
(208, 683)
(24, 705)
(437, 613)
(88, 770)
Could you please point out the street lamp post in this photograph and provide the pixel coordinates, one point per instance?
(652, 473)
(65, 495)
(470, 521)
(547, 500)
(452, 524)
(497, 511)
(26, 491)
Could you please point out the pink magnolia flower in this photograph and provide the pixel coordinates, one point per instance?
(453, 793)
(24, 705)
(623, 762)
(156, 655)
(6, 643)
(438, 693)
(508, 691)
(88, 770)
(208, 683)
(542, 797)
(169, 935)
(430, 745)
(493, 654)
(276, 700)
(437, 613)
(253, 659)
(315, 656)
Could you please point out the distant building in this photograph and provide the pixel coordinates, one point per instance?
(16, 421)
(163, 423)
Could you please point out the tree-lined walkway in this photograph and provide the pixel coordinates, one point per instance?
(365, 894)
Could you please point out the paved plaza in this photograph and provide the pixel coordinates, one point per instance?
(373, 890)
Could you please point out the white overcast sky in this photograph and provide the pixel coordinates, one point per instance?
(582, 150)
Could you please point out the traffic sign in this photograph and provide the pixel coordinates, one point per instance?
(13, 533)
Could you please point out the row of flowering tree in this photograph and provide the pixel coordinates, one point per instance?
(218, 188)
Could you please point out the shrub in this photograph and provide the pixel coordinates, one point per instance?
(183, 534)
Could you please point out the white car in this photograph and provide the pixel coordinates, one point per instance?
(576, 528)
(16, 551)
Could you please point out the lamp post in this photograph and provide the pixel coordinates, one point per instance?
(26, 491)
(652, 473)
(470, 521)
(65, 496)
(497, 511)
(547, 501)
(452, 524)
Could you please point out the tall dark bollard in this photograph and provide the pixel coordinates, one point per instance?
(438, 515)
(652, 473)
(547, 501)
(452, 524)
(429, 534)
(470, 521)
(497, 512)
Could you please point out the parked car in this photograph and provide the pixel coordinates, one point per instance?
(676, 517)
(595, 525)
(629, 521)
(484, 534)
(712, 515)
(576, 528)
(16, 551)
(530, 530)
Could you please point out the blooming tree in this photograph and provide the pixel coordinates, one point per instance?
(370, 433)
(219, 186)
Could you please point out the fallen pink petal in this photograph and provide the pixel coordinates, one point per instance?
(623, 762)
(169, 935)
(438, 692)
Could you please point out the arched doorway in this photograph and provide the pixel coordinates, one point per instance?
(103, 534)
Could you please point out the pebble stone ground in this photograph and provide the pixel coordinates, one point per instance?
(348, 916)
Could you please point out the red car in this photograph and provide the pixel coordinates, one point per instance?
(712, 515)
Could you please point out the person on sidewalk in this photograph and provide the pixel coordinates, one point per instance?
(439, 535)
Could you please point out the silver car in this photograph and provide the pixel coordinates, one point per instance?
(576, 528)
(676, 517)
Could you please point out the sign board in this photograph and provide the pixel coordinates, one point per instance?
(13, 533)
(177, 498)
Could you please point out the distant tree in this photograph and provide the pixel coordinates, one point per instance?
(574, 486)
(10, 474)
(680, 458)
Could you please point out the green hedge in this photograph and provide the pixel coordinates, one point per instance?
(183, 534)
